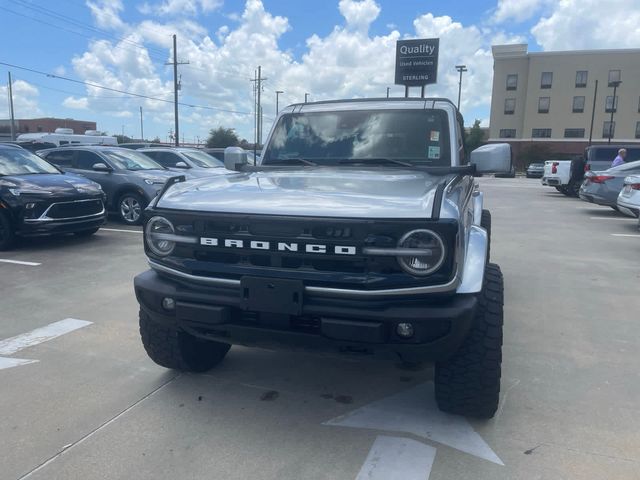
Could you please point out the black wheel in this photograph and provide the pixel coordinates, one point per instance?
(86, 233)
(7, 235)
(573, 189)
(485, 222)
(175, 349)
(560, 189)
(130, 207)
(468, 383)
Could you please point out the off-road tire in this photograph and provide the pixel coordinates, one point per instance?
(86, 233)
(7, 235)
(485, 222)
(468, 383)
(178, 350)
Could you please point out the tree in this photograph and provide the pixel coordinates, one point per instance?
(123, 139)
(222, 137)
(156, 140)
(475, 137)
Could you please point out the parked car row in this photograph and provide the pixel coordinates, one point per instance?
(594, 180)
(71, 189)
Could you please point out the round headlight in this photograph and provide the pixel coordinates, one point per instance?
(158, 233)
(431, 253)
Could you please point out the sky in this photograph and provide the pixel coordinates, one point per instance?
(327, 48)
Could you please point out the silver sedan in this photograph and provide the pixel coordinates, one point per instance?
(629, 197)
(603, 187)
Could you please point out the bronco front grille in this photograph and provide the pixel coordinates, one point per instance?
(356, 270)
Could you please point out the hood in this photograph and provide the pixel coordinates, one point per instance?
(199, 172)
(51, 184)
(157, 176)
(322, 191)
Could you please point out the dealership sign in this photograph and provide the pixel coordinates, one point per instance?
(417, 62)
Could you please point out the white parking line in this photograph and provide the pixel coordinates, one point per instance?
(392, 458)
(612, 218)
(6, 362)
(625, 235)
(34, 337)
(120, 230)
(19, 262)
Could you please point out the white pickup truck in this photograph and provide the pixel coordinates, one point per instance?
(561, 175)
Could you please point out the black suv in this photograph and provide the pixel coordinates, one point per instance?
(38, 199)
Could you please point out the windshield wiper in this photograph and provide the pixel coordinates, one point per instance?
(376, 161)
(284, 161)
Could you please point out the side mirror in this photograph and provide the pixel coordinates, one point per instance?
(235, 158)
(492, 158)
(101, 167)
(181, 165)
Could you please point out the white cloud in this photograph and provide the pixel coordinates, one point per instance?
(586, 24)
(180, 7)
(348, 62)
(81, 103)
(107, 13)
(518, 10)
(359, 14)
(25, 100)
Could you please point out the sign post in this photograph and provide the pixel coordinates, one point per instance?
(417, 63)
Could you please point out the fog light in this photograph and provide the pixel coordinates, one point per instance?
(168, 303)
(30, 206)
(405, 330)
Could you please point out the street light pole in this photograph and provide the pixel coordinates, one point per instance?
(388, 89)
(278, 92)
(461, 69)
(141, 126)
(306, 95)
(613, 108)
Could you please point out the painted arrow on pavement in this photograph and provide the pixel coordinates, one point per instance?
(415, 411)
(13, 345)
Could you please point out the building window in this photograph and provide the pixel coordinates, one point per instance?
(509, 106)
(546, 79)
(581, 78)
(574, 133)
(508, 133)
(608, 129)
(578, 104)
(638, 130)
(541, 133)
(614, 77)
(610, 105)
(512, 81)
(543, 104)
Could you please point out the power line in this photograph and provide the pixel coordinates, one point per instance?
(124, 92)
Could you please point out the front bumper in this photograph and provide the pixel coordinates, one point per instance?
(37, 227)
(325, 324)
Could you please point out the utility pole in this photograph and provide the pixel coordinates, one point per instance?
(388, 90)
(278, 92)
(258, 92)
(461, 69)
(13, 124)
(306, 96)
(176, 87)
(613, 108)
(141, 126)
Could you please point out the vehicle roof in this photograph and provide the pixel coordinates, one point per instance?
(173, 149)
(9, 144)
(393, 103)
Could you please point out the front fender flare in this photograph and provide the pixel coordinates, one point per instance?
(474, 261)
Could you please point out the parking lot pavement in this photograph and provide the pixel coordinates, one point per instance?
(91, 405)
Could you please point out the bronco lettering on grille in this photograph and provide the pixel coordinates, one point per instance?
(278, 246)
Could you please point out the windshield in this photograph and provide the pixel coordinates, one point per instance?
(131, 160)
(202, 159)
(16, 161)
(416, 136)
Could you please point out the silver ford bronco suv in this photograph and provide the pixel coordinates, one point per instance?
(360, 231)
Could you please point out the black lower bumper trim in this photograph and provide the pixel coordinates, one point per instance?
(324, 324)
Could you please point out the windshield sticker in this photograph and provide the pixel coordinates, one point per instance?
(434, 153)
(435, 136)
